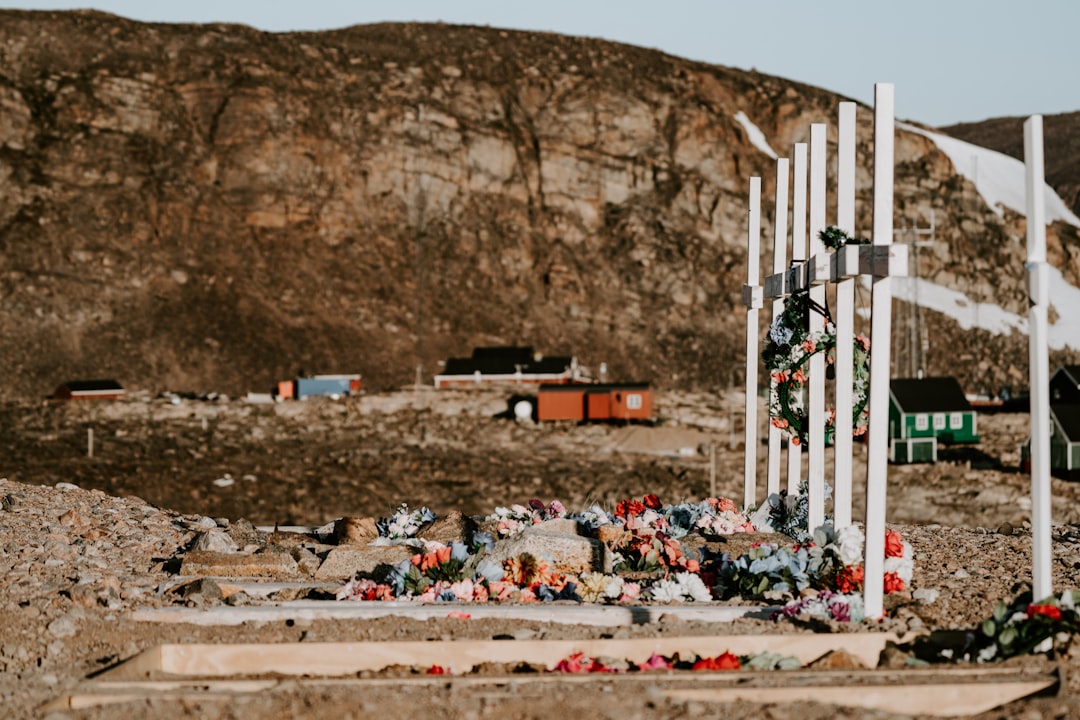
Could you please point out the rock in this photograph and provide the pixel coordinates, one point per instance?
(244, 533)
(306, 561)
(926, 595)
(199, 591)
(565, 526)
(455, 527)
(738, 544)
(838, 660)
(214, 541)
(355, 531)
(611, 534)
(215, 564)
(567, 553)
(62, 627)
(373, 561)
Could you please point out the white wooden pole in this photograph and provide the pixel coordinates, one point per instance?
(880, 339)
(845, 322)
(816, 370)
(798, 255)
(753, 299)
(779, 265)
(1039, 359)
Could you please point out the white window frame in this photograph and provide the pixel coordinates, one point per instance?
(956, 421)
(939, 421)
(922, 421)
(633, 401)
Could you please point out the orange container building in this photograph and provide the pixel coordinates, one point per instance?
(598, 402)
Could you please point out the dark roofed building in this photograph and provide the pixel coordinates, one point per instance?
(508, 365)
(89, 390)
(926, 411)
(1065, 385)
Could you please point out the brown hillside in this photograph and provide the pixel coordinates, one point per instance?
(216, 208)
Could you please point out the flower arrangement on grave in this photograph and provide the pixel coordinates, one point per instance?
(582, 663)
(788, 350)
(1024, 626)
(825, 605)
(404, 523)
(831, 561)
(827, 561)
(512, 520)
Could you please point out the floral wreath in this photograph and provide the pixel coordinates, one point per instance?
(790, 347)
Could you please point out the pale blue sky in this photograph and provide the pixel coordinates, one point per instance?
(951, 60)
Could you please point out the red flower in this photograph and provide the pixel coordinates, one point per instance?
(1050, 611)
(849, 579)
(621, 508)
(893, 583)
(894, 544)
(437, 670)
(652, 502)
(726, 661)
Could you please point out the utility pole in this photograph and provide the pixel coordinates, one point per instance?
(918, 347)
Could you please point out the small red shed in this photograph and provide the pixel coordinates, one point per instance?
(597, 402)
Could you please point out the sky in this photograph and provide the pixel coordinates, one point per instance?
(951, 60)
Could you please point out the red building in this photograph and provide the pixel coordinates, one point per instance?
(597, 402)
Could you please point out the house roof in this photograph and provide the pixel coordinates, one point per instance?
(1068, 417)
(1073, 371)
(507, 361)
(91, 385)
(926, 395)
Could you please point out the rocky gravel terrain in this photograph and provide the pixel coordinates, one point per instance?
(85, 541)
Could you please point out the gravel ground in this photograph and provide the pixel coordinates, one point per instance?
(75, 560)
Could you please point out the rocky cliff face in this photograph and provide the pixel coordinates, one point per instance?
(216, 208)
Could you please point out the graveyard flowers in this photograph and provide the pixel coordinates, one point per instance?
(512, 520)
(404, 523)
(1025, 626)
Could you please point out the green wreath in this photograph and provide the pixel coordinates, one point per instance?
(789, 349)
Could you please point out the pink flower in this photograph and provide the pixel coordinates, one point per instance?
(656, 662)
(463, 590)
(808, 345)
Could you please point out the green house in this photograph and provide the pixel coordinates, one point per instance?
(930, 408)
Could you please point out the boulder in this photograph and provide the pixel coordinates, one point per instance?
(355, 531)
(373, 561)
(566, 553)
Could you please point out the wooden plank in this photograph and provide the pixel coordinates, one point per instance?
(348, 658)
(799, 253)
(575, 614)
(845, 322)
(815, 405)
(881, 351)
(753, 346)
(772, 482)
(1038, 358)
(936, 700)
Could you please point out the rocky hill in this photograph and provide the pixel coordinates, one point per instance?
(216, 208)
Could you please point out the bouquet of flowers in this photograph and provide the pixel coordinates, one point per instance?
(404, 523)
(512, 520)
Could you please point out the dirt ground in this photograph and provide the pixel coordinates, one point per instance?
(75, 560)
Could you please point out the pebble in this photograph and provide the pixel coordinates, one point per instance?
(926, 595)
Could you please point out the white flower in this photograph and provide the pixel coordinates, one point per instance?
(849, 545)
(692, 587)
(902, 566)
(665, 591)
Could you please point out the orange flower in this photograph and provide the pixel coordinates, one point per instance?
(726, 661)
(850, 579)
(799, 377)
(894, 544)
(893, 583)
(808, 345)
(795, 441)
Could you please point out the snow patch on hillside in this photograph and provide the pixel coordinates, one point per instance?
(754, 135)
(999, 178)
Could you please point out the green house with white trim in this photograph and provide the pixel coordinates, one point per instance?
(1064, 424)
(924, 412)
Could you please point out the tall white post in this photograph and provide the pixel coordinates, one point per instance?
(880, 339)
(816, 371)
(845, 322)
(798, 255)
(753, 298)
(1039, 359)
(779, 265)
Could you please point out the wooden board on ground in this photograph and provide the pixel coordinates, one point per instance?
(570, 614)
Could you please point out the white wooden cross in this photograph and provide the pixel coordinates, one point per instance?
(1038, 287)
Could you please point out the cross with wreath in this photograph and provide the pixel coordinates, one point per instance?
(789, 349)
